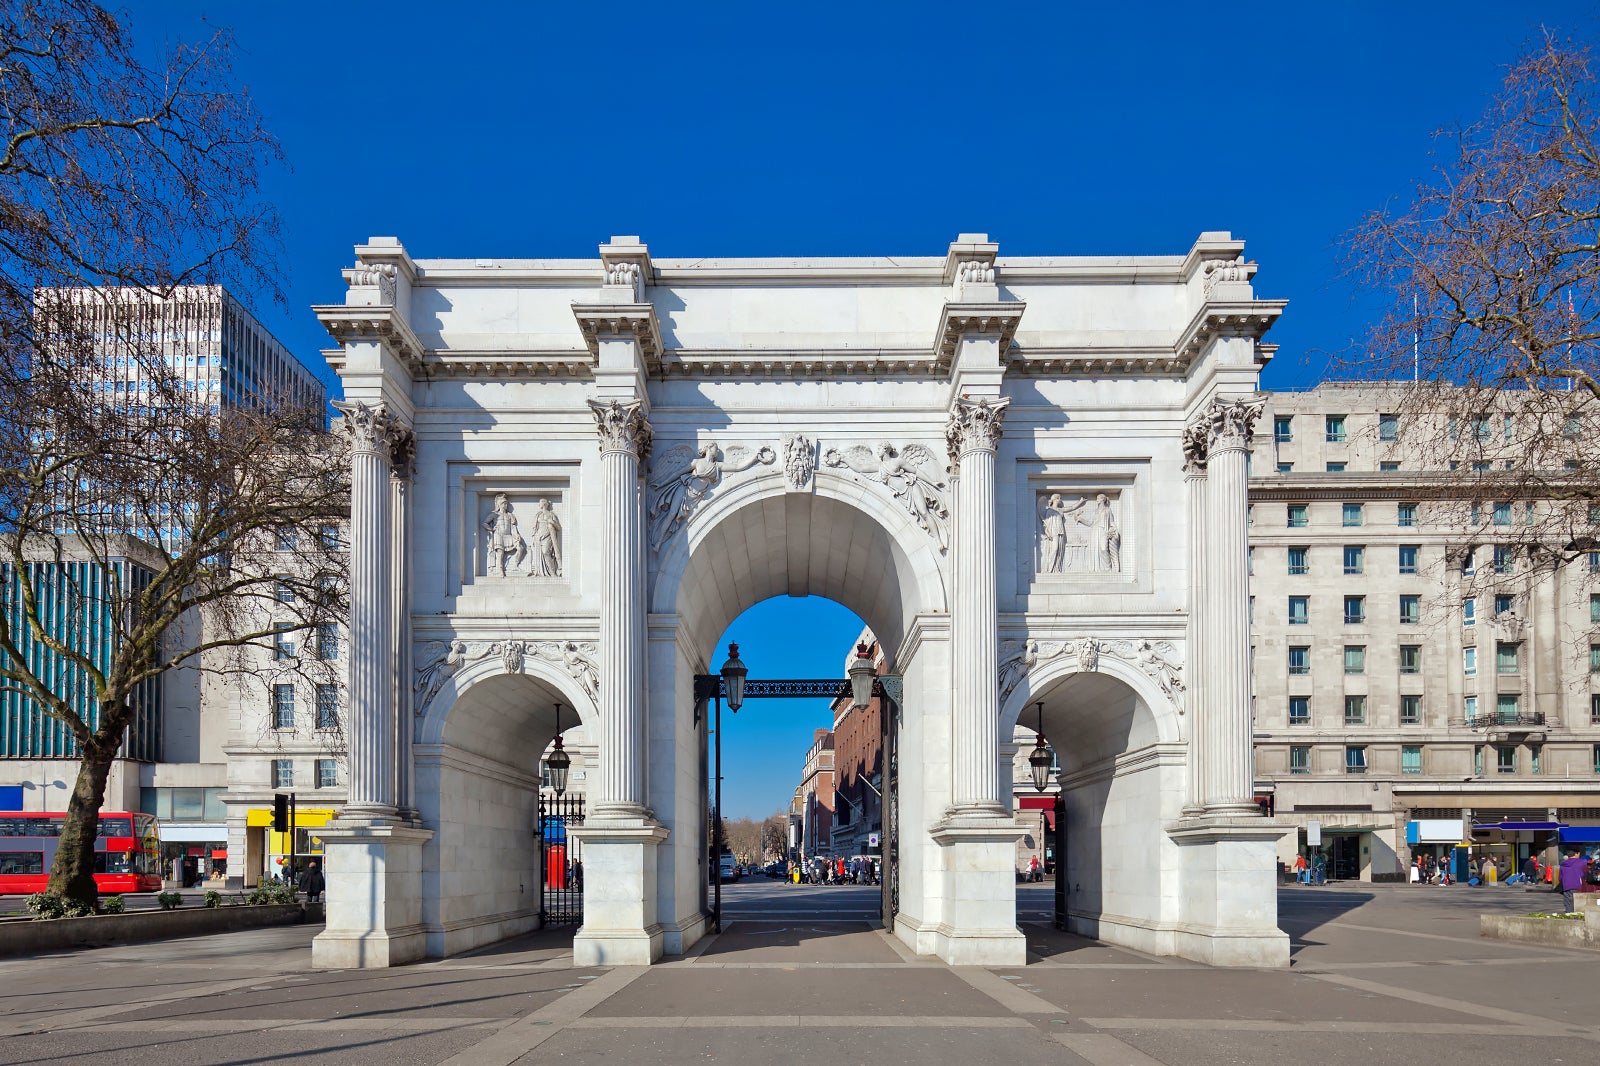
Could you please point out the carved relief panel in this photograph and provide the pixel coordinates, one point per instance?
(1080, 533)
(518, 532)
(1083, 527)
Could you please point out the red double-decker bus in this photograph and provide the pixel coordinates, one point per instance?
(127, 851)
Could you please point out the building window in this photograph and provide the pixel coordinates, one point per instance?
(282, 773)
(1469, 611)
(1594, 608)
(1505, 657)
(1298, 563)
(288, 540)
(1504, 605)
(1535, 759)
(1388, 427)
(1355, 610)
(1355, 558)
(1410, 710)
(1502, 513)
(1410, 610)
(1480, 427)
(283, 642)
(1299, 710)
(1355, 710)
(1283, 428)
(327, 773)
(1387, 467)
(1336, 468)
(1250, 561)
(1505, 759)
(1297, 516)
(1299, 610)
(283, 706)
(1469, 661)
(1503, 556)
(1595, 758)
(329, 538)
(1594, 562)
(1411, 758)
(1508, 706)
(1477, 761)
(1411, 658)
(1355, 759)
(1285, 468)
(1469, 562)
(1300, 659)
(1469, 709)
(327, 706)
(1355, 659)
(1299, 759)
(1335, 426)
(285, 590)
(1406, 514)
(328, 640)
(1594, 709)
(1408, 558)
(1352, 514)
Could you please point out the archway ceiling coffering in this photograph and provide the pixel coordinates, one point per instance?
(796, 544)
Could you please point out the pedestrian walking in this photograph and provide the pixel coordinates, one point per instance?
(1300, 874)
(311, 882)
(1572, 870)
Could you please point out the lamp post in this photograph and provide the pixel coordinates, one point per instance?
(558, 761)
(1039, 762)
(733, 675)
(862, 673)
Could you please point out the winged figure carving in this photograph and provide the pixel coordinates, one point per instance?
(688, 477)
(911, 473)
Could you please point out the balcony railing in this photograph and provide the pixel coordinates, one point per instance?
(1504, 719)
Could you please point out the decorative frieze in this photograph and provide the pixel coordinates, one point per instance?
(910, 473)
(1159, 660)
(688, 477)
(622, 427)
(441, 660)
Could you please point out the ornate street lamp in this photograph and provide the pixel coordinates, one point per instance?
(862, 673)
(558, 760)
(1039, 762)
(733, 675)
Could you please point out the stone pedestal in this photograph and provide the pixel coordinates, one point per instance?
(374, 898)
(1229, 891)
(620, 925)
(978, 883)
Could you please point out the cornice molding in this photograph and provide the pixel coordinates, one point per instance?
(959, 318)
(382, 323)
(637, 321)
(1249, 318)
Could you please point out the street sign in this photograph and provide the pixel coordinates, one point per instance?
(1314, 834)
(872, 840)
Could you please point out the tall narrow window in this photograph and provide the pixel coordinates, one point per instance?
(1469, 611)
(1504, 555)
(1594, 709)
(1410, 610)
(1469, 709)
(1355, 759)
(327, 706)
(1355, 659)
(1299, 710)
(282, 773)
(1299, 759)
(1411, 658)
(1299, 659)
(1535, 759)
(283, 706)
(1408, 558)
(285, 590)
(1502, 513)
(1355, 710)
(1299, 610)
(1411, 758)
(1335, 429)
(1283, 428)
(282, 642)
(1355, 610)
(1410, 710)
(1505, 759)
(1298, 562)
(327, 773)
(1355, 559)
(1406, 514)
(328, 640)
(1469, 661)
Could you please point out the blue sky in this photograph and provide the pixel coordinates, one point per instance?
(541, 129)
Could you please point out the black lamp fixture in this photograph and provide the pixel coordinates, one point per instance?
(733, 675)
(558, 760)
(1039, 762)
(862, 673)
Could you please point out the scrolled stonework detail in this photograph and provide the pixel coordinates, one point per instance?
(1159, 660)
(1233, 422)
(626, 275)
(799, 462)
(441, 660)
(908, 472)
(402, 451)
(974, 424)
(368, 429)
(622, 427)
(975, 271)
(378, 276)
(1196, 446)
(1226, 271)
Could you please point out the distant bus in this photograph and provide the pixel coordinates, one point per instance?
(127, 851)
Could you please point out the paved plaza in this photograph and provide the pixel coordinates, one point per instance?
(1381, 973)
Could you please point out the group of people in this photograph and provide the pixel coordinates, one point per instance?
(819, 871)
(1430, 870)
(1313, 871)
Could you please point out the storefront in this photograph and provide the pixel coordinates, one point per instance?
(1510, 843)
(195, 853)
(270, 854)
(1442, 839)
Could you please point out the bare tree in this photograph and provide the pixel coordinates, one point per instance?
(1492, 273)
(123, 187)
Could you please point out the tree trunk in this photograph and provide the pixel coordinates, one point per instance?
(72, 873)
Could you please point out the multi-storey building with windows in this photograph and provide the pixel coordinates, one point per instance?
(1415, 679)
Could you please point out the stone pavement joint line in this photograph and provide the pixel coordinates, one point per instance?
(89, 1015)
(1102, 1049)
(1258, 1025)
(1511, 1017)
(526, 1033)
(1008, 995)
(802, 1021)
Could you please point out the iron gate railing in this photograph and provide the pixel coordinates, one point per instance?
(561, 872)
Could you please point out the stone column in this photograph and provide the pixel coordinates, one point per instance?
(371, 730)
(1196, 441)
(1228, 761)
(403, 463)
(973, 434)
(619, 790)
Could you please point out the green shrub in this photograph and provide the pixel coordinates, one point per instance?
(213, 898)
(169, 900)
(274, 892)
(46, 906)
(111, 905)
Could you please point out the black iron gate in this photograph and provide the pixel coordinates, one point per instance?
(890, 686)
(1062, 881)
(561, 871)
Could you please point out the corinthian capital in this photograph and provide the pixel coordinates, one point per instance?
(367, 428)
(622, 427)
(1196, 445)
(1233, 421)
(974, 424)
(402, 450)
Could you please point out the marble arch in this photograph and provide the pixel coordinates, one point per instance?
(569, 475)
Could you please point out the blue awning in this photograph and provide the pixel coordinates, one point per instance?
(1580, 834)
(1521, 827)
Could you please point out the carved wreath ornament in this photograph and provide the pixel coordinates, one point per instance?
(1159, 660)
(441, 660)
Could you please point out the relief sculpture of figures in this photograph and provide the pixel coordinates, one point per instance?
(904, 471)
(506, 545)
(545, 558)
(688, 481)
(1092, 542)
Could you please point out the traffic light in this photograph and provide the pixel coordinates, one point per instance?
(280, 813)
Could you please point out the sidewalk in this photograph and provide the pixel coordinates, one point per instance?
(1379, 976)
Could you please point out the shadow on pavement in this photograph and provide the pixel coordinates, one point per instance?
(1302, 909)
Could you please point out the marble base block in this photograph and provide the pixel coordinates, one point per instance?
(978, 889)
(374, 896)
(620, 926)
(1229, 880)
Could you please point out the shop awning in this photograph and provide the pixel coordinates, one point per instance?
(220, 853)
(1521, 827)
(1036, 803)
(1580, 834)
